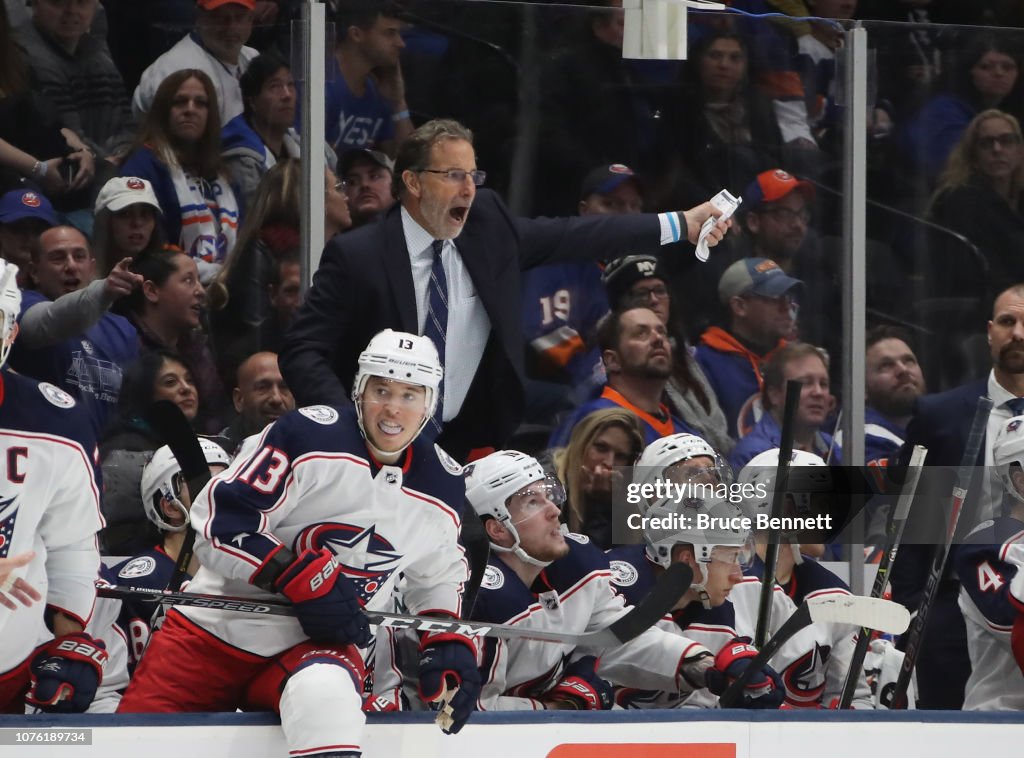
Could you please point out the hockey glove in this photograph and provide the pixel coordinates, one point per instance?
(325, 601)
(449, 659)
(580, 688)
(66, 673)
(764, 690)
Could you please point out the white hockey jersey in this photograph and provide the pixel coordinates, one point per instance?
(573, 595)
(49, 503)
(991, 597)
(802, 661)
(308, 482)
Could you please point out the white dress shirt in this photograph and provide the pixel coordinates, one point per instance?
(468, 323)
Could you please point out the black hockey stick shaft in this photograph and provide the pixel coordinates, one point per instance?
(893, 537)
(771, 556)
(478, 548)
(168, 420)
(666, 592)
(961, 487)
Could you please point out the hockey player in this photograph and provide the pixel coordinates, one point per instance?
(542, 578)
(720, 608)
(15, 586)
(49, 504)
(992, 587)
(326, 507)
(166, 501)
(798, 573)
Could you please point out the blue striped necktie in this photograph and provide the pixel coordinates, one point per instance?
(436, 325)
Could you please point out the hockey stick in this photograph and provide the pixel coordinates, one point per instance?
(870, 612)
(771, 555)
(961, 487)
(665, 593)
(478, 549)
(893, 536)
(168, 420)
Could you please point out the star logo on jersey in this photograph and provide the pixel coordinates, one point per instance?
(8, 515)
(805, 677)
(367, 558)
(240, 538)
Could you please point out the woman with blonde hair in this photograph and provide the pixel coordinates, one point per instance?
(600, 442)
(980, 193)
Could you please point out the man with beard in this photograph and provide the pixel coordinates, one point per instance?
(807, 365)
(637, 357)
(446, 262)
(893, 382)
(941, 423)
(367, 174)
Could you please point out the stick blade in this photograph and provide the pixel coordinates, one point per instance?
(869, 612)
(669, 588)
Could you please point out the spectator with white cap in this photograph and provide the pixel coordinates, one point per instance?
(759, 299)
(127, 213)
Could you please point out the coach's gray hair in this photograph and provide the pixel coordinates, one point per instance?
(414, 152)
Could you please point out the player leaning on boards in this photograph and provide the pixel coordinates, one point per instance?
(326, 507)
(721, 603)
(43, 647)
(992, 587)
(541, 577)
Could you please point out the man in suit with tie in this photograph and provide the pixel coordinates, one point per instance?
(445, 262)
(941, 423)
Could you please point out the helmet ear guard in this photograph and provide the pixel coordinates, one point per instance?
(10, 308)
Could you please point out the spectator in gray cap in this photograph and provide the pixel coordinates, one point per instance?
(367, 177)
(634, 281)
(760, 302)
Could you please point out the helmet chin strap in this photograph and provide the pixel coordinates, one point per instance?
(518, 551)
(702, 593)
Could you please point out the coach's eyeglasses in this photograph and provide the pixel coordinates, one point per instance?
(458, 175)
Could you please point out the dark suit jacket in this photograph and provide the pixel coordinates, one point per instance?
(364, 284)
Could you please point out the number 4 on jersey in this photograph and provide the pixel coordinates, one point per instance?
(989, 580)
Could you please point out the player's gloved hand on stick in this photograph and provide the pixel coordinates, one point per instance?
(65, 674)
(580, 688)
(764, 690)
(326, 603)
(447, 659)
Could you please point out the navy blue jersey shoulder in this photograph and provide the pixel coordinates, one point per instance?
(151, 570)
(583, 558)
(983, 572)
(333, 430)
(809, 576)
(502, 594)
(633, 575)
(41, 408)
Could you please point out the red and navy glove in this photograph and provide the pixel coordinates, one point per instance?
(326, 603)
(764, 690)
(450, 659)
(66, 673)
(581, 688)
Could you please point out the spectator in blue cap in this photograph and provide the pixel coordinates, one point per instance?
(760, 301)
(24, 215)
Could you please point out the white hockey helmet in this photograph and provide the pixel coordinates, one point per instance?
(1008, 450)
(161, 479)
(493, 480)
(726, 531)
(402, 357)
(760, 472)
(660, 456)
(10, 308)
